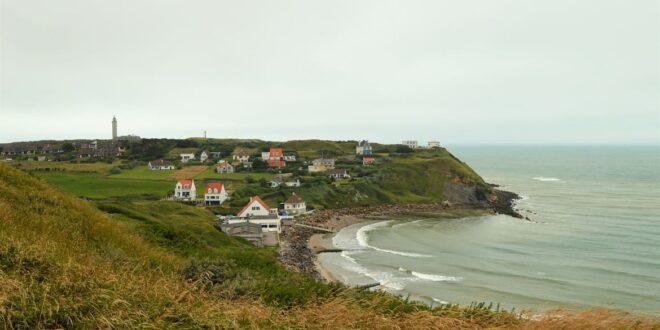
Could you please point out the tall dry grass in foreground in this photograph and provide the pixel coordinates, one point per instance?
(65, 264)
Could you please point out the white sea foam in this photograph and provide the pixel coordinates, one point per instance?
(544, 179)
(401, 269)
(440, 301)
(436, 278)
(363, 240)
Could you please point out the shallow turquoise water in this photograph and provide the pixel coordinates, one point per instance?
(594, 239)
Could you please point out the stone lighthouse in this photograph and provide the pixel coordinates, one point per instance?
(114, 129)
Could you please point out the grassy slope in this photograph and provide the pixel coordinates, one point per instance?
(63, 263)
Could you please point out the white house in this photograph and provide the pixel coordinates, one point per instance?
(203, 157)
(241, 155)
(295, 205)
(187, 157)
(215, 193)
(185, 190)
(157, 165)
(258, 212)
(224, 167)
(363, 148)
(434, 144)
(255, 207)
(412, 144)
(329, 163)
(290, 158)
(338, 174)
(265, 155)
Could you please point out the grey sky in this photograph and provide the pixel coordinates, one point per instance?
(476, 71)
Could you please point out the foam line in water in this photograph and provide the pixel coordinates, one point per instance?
(363, 240)
(544, 179)
(436, 278)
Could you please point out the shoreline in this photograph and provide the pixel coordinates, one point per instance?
(299, 246)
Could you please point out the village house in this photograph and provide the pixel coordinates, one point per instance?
(265, 155)
(186, 157)
(285, 179)
(157, 165)
(295, 205)
(247, 230)
(412, 144)
(275, 154)
(215, 193)
(368, 160)
(434, 144)
(363, 148)
(203, 157)
(215, 154)
(321, 165)
(338, 174)
(241, 155)
(224, 167)
(257, 211)
(248, 165)
(290, 158)
(185, 190)
(271, 163)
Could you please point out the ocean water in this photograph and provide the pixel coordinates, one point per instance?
(594, 238)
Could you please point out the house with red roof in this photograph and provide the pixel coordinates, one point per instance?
(255, 207)
(185, 190)
(368, 160)
(258, 212)
(215, 193)
(275, 154)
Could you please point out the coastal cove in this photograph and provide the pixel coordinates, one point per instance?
(572, 254)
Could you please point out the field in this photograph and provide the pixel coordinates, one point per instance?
(97, 186)
(65, 166)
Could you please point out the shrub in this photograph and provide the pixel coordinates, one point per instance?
(115, 170)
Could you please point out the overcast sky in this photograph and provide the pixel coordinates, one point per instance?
(461, 72)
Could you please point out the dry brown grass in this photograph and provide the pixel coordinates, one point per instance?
(187, 172)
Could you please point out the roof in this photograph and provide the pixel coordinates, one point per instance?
(160, 162)
(214, 185)
(368, 158)
(223, 164)
(276, 152)
(364, 143)
(294, 199)
(252, 199)
(186, 183)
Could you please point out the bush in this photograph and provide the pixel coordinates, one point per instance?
(210, 272)
(115, 170)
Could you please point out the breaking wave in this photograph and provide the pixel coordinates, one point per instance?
(363, 240)
(436, 278)
(544, 179)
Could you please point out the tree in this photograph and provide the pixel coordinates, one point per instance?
(258, 165)
(68, 147)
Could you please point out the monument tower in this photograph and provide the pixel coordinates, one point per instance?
(114, 129)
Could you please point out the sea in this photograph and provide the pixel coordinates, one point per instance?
(593, 238)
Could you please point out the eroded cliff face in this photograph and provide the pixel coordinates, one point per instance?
(478, 195)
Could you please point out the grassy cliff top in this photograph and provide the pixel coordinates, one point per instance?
(67, 263)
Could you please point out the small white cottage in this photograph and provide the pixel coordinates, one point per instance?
(215, 193)
(185, 190)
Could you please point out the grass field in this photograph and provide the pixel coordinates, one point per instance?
(210, 173)
(188, 172)
(65, 166)
(96, 186)
(143, 173)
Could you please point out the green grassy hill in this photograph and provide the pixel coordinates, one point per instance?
(67, 263)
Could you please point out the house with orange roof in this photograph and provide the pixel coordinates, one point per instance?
(185, 190)
(215, 193)
(257, 211)
(255, 207)
(275, 154)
